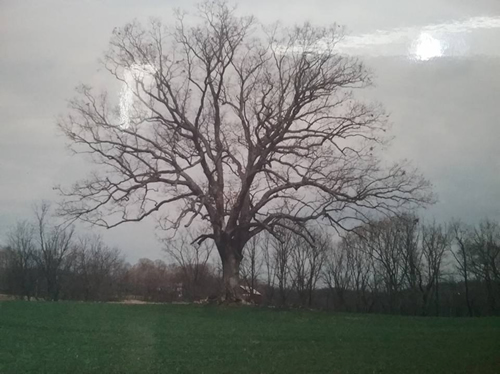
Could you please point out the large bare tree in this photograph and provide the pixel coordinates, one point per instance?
(242, 127)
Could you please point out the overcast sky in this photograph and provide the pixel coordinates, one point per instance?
(436, 63)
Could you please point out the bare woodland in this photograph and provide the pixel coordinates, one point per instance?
(397, 265)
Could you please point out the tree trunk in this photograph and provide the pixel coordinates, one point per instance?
(283, 293)
(467, 297)
(437, 295)
(491, 297)
(310, 296)
(231, 276)
(425, 297)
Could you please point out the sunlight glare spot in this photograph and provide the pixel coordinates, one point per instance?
(427, 47)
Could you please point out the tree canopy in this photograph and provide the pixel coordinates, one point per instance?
(236, 126)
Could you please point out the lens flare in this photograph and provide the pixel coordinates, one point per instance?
(135, 73)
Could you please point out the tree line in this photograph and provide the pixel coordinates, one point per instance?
(398, 265)
(43, 260)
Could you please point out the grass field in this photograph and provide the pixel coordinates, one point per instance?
(114, 338)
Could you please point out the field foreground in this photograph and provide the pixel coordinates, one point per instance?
(114, 338)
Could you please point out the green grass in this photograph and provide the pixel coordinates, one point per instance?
(112, 338)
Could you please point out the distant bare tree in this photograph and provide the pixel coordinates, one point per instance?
(348, 267)
(436, 242)
(193, 261)
(97, 269)
(485, 262)
(299, 268)
(337, 272)
(316, 255)
(4, 268)
(462, 256)
(306, 264)
(227, 123)
(151, 280)
(282, 247)
(362, 272)
(270, 269)
(20, 259)
(251, 265)
(55, 246)
(384, 239)
(408, 243)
